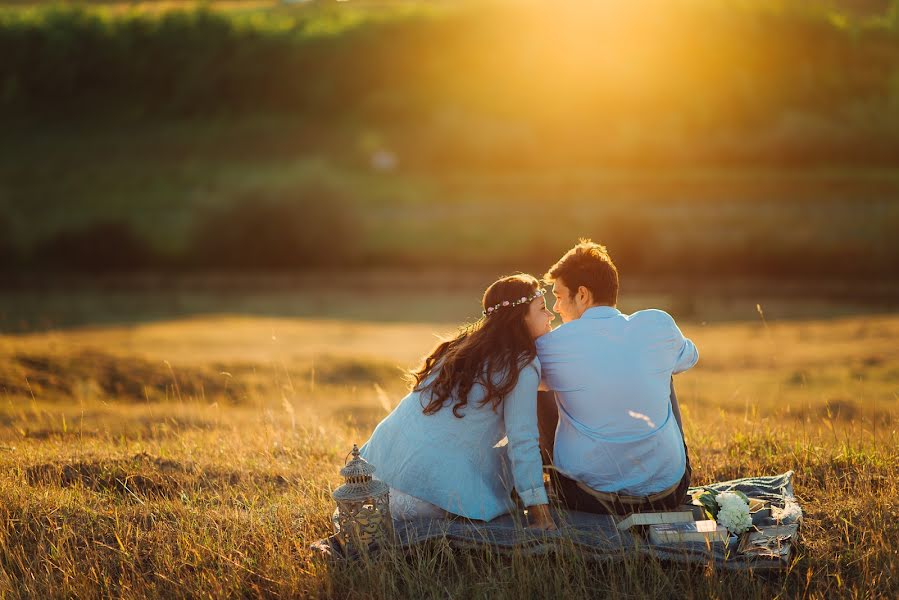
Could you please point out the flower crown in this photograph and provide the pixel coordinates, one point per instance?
(523, 300)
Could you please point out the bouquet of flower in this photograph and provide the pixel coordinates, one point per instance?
(729, 509)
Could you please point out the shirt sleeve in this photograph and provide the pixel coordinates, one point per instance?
(685, 353)
(520, 416)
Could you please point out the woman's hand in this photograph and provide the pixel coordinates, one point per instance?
(540, 519)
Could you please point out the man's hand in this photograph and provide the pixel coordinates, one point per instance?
(540, 519)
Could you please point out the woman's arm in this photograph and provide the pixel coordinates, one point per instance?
(520, 416)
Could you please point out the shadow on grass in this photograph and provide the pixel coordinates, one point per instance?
(143, 477)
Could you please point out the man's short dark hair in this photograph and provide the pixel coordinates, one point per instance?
(588, 264)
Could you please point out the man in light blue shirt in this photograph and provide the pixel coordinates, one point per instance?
(619, 443)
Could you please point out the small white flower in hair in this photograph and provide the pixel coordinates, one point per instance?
(520, 301)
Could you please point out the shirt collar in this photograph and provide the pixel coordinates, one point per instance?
(600, 312)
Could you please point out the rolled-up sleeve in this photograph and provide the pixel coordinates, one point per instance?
(520, 416)
(685, 353)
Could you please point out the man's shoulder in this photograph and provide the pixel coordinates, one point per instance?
(560, 334)
(651, 313)
(651, 316)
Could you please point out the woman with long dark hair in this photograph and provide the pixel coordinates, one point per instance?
(441, 450)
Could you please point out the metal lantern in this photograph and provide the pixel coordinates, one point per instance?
(363, 507)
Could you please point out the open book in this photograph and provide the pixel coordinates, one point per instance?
(769, 542)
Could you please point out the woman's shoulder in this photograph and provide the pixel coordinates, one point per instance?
(534, 364)
(530, 372)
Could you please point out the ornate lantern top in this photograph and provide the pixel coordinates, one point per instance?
(359, 482)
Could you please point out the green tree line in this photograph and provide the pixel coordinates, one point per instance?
(489, 85)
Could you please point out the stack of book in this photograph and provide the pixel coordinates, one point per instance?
(697, 509)
(654, 518)
(708, 532)
(690, 524)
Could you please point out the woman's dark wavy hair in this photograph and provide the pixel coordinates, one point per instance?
(490, 352)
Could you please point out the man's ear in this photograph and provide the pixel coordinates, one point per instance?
(585, 296)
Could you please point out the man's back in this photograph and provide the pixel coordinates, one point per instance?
(611, 373)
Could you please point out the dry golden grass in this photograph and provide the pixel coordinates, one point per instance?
(195, 459)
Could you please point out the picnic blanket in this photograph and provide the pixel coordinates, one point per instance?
(599, 537)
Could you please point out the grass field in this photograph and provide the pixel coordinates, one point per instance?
(194, 458)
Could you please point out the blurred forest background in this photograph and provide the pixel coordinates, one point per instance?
(696, 138)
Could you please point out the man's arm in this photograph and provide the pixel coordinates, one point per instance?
(547, 422)
(686, 354)
(675, 408)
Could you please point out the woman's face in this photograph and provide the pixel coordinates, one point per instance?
(539, 318)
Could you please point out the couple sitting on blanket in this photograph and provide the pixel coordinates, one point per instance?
(610, 428)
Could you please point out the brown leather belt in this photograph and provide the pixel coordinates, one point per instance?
(608, 499)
